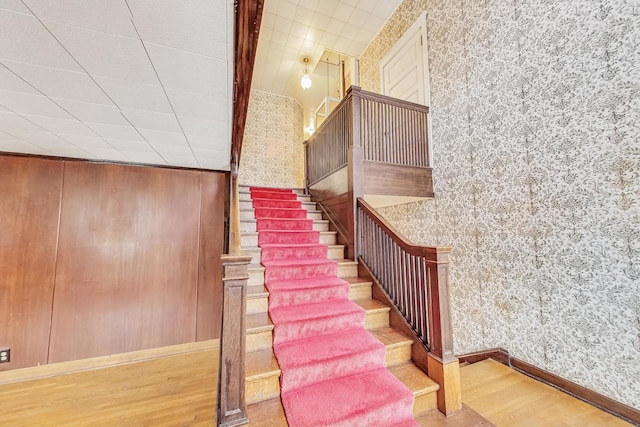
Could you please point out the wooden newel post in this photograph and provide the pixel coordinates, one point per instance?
(355, 162)
(442, 364)
(232, 409)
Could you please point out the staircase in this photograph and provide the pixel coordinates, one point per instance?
(262, 371)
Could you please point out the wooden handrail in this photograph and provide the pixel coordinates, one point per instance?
(231, 407)
(415, 278)
(248, 18)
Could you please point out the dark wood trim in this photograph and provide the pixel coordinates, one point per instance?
(247, 29)
(107, 162)
(232, 409)
(498, 354)
(585, 394)
(430, 252)
(591, 397)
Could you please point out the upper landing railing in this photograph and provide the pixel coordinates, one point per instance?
(387, 129)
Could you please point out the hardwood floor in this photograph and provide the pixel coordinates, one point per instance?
(180, 391)
(170, 391)
(508, 398)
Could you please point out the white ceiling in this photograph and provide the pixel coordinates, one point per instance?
(148, 81)
(143, 81)
(294, 29)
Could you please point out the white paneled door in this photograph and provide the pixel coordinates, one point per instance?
(404, 70)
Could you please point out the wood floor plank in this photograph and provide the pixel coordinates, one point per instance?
(508, 398)
(170, 391)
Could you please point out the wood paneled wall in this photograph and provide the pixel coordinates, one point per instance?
(98, 259)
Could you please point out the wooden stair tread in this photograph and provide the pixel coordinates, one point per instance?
(258, 322)
(413, 377)
(390, 337)
(268, 413)
(371, 305)
(358, 281)
(260, 364)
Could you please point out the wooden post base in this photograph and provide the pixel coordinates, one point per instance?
(447, 375)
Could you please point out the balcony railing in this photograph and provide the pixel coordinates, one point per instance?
(387, 129)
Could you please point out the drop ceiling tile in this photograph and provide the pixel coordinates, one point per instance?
(152, 120)
(185, 162)
(201, 127)
(384, 9)
(196, 73)
(166, 138)
(210, 153)
(199, 106)
(107, 17)
(145, 157)
(136, 96)
(278, 37)
(283, 24)
(14, 5)
(39, 137)
(298, 30)
(221, 164)
(114, 131)
(166, 150)
(57, 125)
(63, 149)
(128, 145)
(321, 22)
(119, 57)
(201, 27)
(286, 10)
(10, 81)
(84, 141)
(56, 83)
(26, 103)
(303, 16)
(18, 146)
(309, 4)
(359, 18)
(24, 39)
(326, 7)
(107, 154)
(96, 113)
(10, 121)
(268, 20)
(342, 11)
(209, 143)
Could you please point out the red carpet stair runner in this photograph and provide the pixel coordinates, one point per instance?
(332, 369)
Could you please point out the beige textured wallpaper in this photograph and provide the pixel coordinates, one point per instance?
(272, 152)
(535, 114)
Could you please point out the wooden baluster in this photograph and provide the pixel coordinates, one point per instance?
(231, 401)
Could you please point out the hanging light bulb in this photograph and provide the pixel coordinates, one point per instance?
(305, 82)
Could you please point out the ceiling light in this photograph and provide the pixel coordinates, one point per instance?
(305, 82)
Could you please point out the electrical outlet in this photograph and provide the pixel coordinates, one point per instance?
(5, 355)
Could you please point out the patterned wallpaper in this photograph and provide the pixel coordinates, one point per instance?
(272, 152)
(535, 115)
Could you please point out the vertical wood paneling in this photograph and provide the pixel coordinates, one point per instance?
(209, 264)
(29, 207)
(127, 260)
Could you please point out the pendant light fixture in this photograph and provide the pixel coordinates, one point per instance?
(305, 82)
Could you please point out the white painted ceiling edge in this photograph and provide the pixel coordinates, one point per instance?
(150, 81)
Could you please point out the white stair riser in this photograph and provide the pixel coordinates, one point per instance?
(347, 270)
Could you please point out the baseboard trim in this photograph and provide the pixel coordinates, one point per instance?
(498, 354)
(75, 366)
(618, 409)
